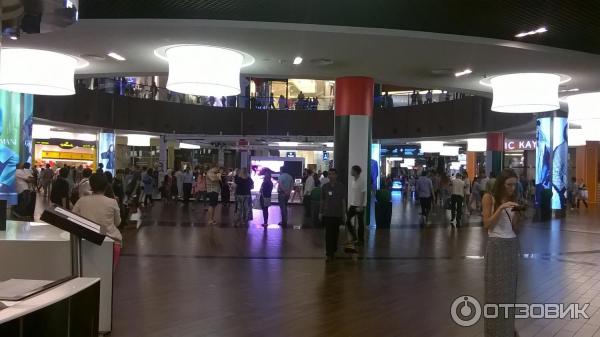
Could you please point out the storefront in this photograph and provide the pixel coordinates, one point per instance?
(137, 150)
(293, 93)
(519, 155)
(60, 152)
(318, 161)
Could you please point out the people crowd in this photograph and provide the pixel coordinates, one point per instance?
(500, 199)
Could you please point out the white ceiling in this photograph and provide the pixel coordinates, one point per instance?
(403, 58)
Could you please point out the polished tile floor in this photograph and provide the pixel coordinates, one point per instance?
(179, 277)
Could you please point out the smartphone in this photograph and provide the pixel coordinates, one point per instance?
(519, 208)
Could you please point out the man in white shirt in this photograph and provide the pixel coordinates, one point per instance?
(179, 178)
(467, 193)
(324, 180)
(309, 185)
(23, 176)
(188, 180)
(357, 202)
(457, 199)
(83, 186)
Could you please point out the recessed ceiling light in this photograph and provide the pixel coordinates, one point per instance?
(93, 57)
(462, 73)
(533, 32)
(297, 60)
(116, 56)
(287, 144)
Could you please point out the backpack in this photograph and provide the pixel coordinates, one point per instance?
(74, 195)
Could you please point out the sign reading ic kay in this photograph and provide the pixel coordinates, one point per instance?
(519, 144)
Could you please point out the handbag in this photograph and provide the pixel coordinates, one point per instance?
(266, 202)
(256, 204)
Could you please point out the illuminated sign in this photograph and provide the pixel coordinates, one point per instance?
(66, 145)
(68, 155)
(519, 144)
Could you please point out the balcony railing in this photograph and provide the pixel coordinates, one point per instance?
(150, 92)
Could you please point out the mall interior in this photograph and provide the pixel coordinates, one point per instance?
(325, 168)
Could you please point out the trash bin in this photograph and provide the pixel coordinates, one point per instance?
(383, 208)
(546, 205)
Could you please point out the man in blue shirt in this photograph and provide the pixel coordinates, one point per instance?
(285, 184)
(424, 190)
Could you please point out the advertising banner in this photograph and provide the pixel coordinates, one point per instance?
(106, 151)
(559, 162)
(10, 143)
(543, 161)
(26, 130)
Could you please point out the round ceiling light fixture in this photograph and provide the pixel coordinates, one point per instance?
(432, 146)
(204, 70)
(38, 72)
(525, 92)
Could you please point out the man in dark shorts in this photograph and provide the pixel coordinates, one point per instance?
(333, 212)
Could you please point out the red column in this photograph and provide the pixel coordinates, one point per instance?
(353, 117)
(354, 96)
(495, 141)
(494, 156)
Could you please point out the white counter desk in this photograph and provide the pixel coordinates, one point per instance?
(68, 309)
(36, 250)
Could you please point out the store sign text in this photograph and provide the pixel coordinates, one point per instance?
(519, 144)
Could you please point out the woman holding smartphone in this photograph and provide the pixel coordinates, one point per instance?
(501, 218)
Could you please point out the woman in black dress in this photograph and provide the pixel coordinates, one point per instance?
(265, 196)
(225, 192)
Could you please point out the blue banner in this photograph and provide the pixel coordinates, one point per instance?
(543, 161)
(559, 162)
